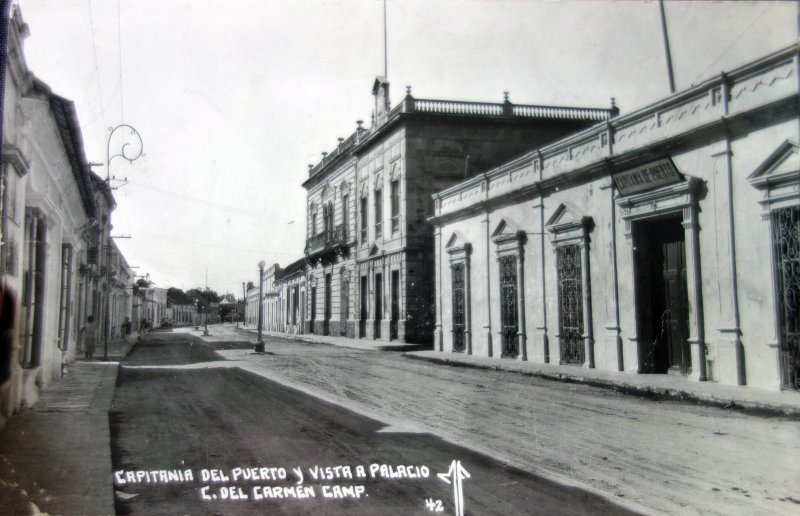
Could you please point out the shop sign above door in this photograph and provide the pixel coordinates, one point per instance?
(645, 177)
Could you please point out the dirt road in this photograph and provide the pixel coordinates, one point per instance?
(174, 418)
(668, 457)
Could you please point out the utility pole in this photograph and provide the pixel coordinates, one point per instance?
(666, 47)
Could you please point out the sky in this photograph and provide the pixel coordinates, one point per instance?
(234, 99)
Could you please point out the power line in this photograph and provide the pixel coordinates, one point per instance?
(210, 204)
(96, 63)
(745, 31)
(119, 47)
(215, 246)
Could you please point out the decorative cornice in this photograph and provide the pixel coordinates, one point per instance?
(14, 156)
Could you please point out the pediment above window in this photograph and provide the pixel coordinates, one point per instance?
(779, 176)
(326, 190)
(508, 236)
(566, 223)
(458, 247)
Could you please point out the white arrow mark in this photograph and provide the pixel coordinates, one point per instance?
(458, 474)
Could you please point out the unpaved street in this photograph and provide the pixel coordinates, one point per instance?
(663, 456)
(167, 416)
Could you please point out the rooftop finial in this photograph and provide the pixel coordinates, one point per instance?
(324, 154)
(505, 96)
(408, 90)
(340, 140)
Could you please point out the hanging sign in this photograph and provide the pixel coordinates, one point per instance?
(646, 177)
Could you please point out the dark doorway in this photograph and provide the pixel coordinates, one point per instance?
(661, 297)
(362, 323)
(313, 309)
(395, 305)
(378, 304)
(327, 321)
(344, 306)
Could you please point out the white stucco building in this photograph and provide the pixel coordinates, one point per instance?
(663, 241)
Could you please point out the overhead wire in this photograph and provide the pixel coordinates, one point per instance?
(210, 204)
(96, 63)
(741, 34)
(119, 47)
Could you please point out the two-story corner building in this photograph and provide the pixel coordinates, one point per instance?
(100, 257)
(155, 306)
(121, 280)
(664, 241)
(251, 308)
(271, 300)
(369, 244)
(290, 284)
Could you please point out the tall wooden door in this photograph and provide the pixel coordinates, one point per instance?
(328, 298)
(395, 315)
(675, 301)
(378, 304)
(364, 300)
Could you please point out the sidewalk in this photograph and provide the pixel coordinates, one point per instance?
(674, 387)
(368, 344)
(56, 456)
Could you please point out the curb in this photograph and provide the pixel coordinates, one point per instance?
(649, 392)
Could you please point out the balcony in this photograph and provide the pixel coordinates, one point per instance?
(327, 245)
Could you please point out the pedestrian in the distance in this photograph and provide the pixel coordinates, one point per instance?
(126, 326)
(89, 334)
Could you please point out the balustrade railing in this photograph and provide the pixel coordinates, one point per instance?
(327, 239)
(454, 107)
(569, 113)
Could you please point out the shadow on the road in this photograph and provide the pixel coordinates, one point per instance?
(162, 347)
(229, 418)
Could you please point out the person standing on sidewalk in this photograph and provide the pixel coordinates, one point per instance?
(89, 335)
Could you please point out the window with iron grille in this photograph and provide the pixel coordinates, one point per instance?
(570, 305)
(345, 222)
(786, 242)
(363, 216)
(508, 305)
(395, 190)
(459, 314)
(378, 213)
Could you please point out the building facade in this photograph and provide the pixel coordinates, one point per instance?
(290, 283)
(369, 249)
(54, 224)
(155, 305)
(251, 309)
(660, 242)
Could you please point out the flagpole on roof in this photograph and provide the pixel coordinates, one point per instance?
(385, 45)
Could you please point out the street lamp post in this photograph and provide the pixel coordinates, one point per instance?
(195, 315)
(205, 314)
(131, 154)
(259, 345)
